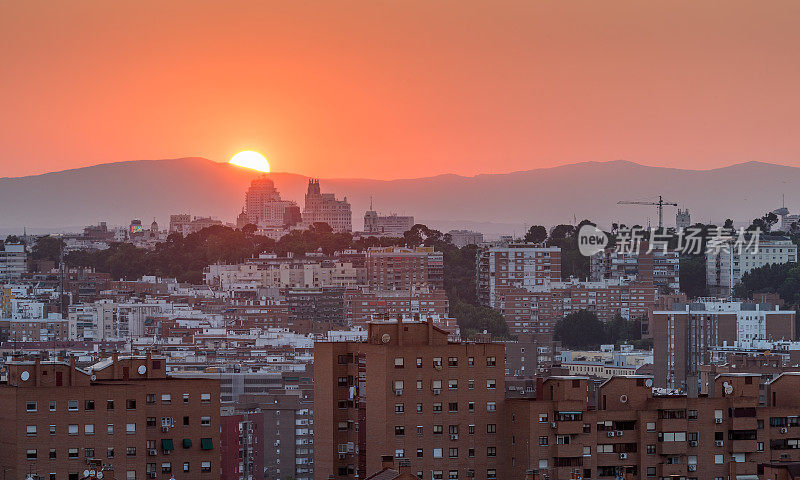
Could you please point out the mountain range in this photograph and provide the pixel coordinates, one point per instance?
(492, 203)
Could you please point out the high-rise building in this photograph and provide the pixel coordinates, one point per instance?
(13, 261)
(658, 267)
(402, 268)
(386, 225)
(323, 207)
(521, 265)
(683, 219)
(123, 414)
(684, 336)
(408, 393)
(726, 266)
(263, 205)
(461, 238)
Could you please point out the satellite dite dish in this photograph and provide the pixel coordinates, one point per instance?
(24, 376)
(728, 388)
(142, 369)
(93, 377)
(86, 473)
(623, 398)
(385, 338)
(648, 383)
(100, 475)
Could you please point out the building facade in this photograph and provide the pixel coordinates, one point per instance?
(263, 205)
(403, 268)
(386, 225)
(520, 265)
(323, 207)
(726, 267)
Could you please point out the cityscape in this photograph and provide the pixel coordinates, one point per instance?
(387, 260)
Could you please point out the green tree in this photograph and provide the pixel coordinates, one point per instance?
(48, 248)
(581, 330)
(692, 276)
(536, 234)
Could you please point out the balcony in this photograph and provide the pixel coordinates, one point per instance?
(672, 448)
(672, 469)
(569, 427)
(743, 423)
(570, 450)
(742, 446)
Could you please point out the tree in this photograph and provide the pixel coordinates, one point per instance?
(536, 234)
(561, 232)
(728, 224)
(693, 276)
(48, 248)
(320, 227)
(581, 330)
(249, 229)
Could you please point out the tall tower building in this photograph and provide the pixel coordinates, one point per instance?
(323, 207)
(683, 219)
(263, 205)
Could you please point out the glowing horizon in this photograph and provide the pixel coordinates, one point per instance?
(250, 159)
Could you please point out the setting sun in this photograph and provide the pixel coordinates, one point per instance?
(250, 159)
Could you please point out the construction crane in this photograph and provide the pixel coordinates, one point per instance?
(660, 204)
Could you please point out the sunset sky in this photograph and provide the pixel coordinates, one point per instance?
(399, 89)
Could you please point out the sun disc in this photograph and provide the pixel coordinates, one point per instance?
(250, 159)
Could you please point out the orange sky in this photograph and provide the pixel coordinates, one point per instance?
(389, 89)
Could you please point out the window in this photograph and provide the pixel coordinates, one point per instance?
(491, 474)
(452, 407)
(491, 451)
(419, 408)
(399, 408)
(490, 384)
(88, 429)
(419, 362)
(130, 451)
(651, 449)
(419, 430)
(131, 475)
(150, 398)
(491, 428)
(452, 362)
(205, 398)
(30, 406)
(72, 405)
(437, 453)
(72, 453)
(130, 404)
(471, 406)
(471, 384)
(399, 362)
(185, 466)
(543, 441)
(205, 421)
(437, 407)
(542, 418)
(437, 429)
(437, 362)
(130, 428)
(692, 415)
(52, 429)
(471, 361)
(452, 453)
(399, 430)
(400, 453)
(72, 429)
(109, 404)
(31, 454)
(110, 452)
(491, 406)
(88, 452)
(587, 451)
(651, 426)
(52, 455)
(89, 405)
(651, 471)
(186, 398)
(419, 384)
(718, 459)
(166, 399)
(543, 463)
(491, 361)
(52, 406)
(205, 466)
(452, 384)
(30, 430)
(398, 385)
(419, 453)
(166, 467)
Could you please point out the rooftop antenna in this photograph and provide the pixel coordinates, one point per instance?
(370, 202)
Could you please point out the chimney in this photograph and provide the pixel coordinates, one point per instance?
(37, 371)
(539, 388)
(430, 331)
(387, 461)
(400, 329)
(71, 370)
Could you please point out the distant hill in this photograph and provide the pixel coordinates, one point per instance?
(497, 203)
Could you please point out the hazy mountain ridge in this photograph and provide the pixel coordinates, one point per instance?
(495, 203)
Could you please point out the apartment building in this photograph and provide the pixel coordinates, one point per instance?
(314, 310)
(52, 329)
(726, 267)
(386, 225)
(242, 444)
(536, 309)
(684, 337)
(408, 393)
(364, 306)
(13, 261)
(402, 268)
(658, 267)
(624, 430)
(462, 238)
(323, 207)
(123, 413)
(518, 265)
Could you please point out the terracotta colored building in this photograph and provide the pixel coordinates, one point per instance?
(401, 268)
(124, 413)
(407, 392)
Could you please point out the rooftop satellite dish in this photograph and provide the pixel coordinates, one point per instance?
(142, 369)
(648, 383)
(25, 376)
(623, 398)
(93, 377)
(385, 338)
(728, 388)
(100, 475)
(86, 473)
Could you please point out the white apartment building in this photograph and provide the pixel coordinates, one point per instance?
(725, 269)
(300, 274)
(386, 225)
(104, 320)
(13, 261)
(323, 207)
(461, 238)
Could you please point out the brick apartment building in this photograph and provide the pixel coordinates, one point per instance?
(625, 431)
(684, 336)
(242, 445)
(124, 413)
(658, 267)
(365, 306)
(536, 310)
(402, 268)
(520, 265)
(408, 393)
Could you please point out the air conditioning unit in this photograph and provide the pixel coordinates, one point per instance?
(437, 391)
(693, 443)
(784, 430)
(611, 434)
(717, 420)
(152, 452)
(398, 392)
(552, 424)
(341, 456)
(692, 468)
(718, 443)
(619, 433)
(164, 428)
(623, 456)
(152, 474)
(453, 436)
